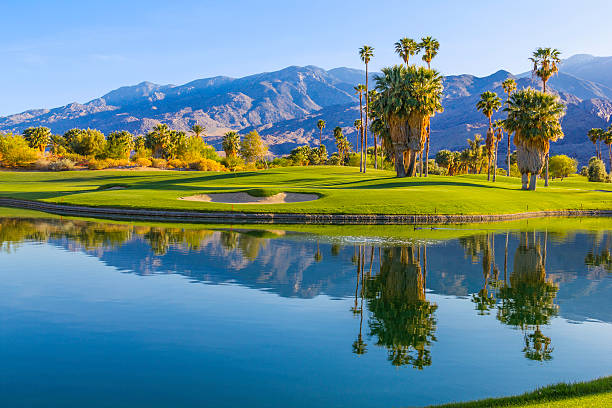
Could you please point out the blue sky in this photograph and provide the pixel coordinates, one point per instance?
(57, 52)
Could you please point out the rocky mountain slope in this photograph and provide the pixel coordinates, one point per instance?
(285, 105)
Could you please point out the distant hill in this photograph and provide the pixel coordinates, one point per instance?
(596, 69)
(285, 105)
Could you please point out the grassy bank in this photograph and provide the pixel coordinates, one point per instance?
(343, 190)
(596, 393)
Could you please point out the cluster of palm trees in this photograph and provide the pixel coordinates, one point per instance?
(598, 136)
(405, 99)
(533, 117)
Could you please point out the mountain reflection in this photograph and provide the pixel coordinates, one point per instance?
(387, 283)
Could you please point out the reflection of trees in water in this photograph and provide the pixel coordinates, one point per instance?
(483, 245)
(402, 320)
(600, 256)
(528, 301)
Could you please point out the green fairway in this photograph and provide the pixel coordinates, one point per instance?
(343, 190)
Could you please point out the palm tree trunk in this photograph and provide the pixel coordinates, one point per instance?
(610, 155)
(533, 181)
(361, 132)
(320, 137)
(365, 125)
(524, 180)
(375, 152)
(508, 155)
(427, 153)
(545, 171)
(495, 160)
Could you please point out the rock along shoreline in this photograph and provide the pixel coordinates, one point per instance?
(137, 214)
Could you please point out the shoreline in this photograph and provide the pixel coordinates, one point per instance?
(283, 218)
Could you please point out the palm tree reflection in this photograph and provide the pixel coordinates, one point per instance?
(401, 320)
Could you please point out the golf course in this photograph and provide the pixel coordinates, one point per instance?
(341, 190)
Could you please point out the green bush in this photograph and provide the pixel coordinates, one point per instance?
(16, 152)
(597, 171)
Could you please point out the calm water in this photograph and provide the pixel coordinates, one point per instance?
(102, 314)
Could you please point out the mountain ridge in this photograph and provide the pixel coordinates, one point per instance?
(284, 106)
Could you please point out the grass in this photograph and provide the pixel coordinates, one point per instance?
(596, 393)
(342, 189)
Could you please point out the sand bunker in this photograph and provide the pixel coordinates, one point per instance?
(245, 198)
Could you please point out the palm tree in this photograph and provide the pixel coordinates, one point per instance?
(341, 143)
(488, 104)
(321, 126)
(509, 86)
(545, 64)
(409, 97)
(405, 48)
(431, 46)
(38, 137)
(379, 128)
(198, 130)
(359, 90)
(595, 135)
(231, 144)
(366, 53)
(533, 117)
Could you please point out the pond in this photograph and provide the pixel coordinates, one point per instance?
(116, 314)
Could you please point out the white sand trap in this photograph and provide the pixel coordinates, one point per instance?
(245, 198)
(114, 188)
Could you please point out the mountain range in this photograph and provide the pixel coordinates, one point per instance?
(284, 106)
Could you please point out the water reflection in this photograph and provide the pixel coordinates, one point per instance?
(388, 284)
(402, 319)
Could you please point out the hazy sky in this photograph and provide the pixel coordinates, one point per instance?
(57, 52)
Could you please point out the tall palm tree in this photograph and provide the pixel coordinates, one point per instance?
(231, 144)
(595, 135)
(359, 90)
(405, 48)
(509, 86)
(321, 126)
(198, 130)
(408, 98)
(359, 128)
(545, 64)
(488, 104)
(366, 53)
(430, 46)
(533, 117)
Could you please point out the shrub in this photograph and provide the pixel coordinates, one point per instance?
(95, 164)
(334, 160)
(207, 165)
(177, 164)
(143, 162)
(597, 170)
(234, 163)
(119, 145)
(159, 163)
(60, 165)
(281, 162)
(16, 152)
(584, 171)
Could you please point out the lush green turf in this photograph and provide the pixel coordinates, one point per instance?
(596, 393)
(342, 190)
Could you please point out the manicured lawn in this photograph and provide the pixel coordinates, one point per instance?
(596, 393)
(342, 190)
